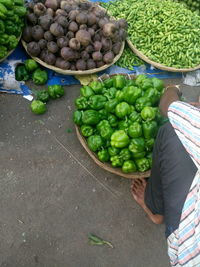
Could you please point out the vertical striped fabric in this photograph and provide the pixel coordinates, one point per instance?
(184, 242)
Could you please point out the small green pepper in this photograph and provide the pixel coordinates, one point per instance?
(105, 129)
(103, 114)
(135, 116)
(4, 38)
(86, 91)
(116, 161)
(112, 119)
(87, 130)
(38, 107)
(119, 95)
(149, 129)
(19, 2)
(55, 91)
(113, 151)
(31, 65)
(142, 164)
(90, 117)
(148, 113)
(158, 84)
(142, 102)
(135, 130)
(77, 117)
(153, 95)
(140, 79)
(125, 154)
(139, 155)
(108, 83)
(137, 145)
(81, 102)
(149, 156)
(20, 11)
(103, 155)
(96, 86)
(95, 142)
(119, 139)
(131, 94)
(7, 3)
(146, 84)
(12, 42)
(42, 95)
(21, 74)
(122, 109)
(110, 105)
(119, 81)
(124, 125)
(2, 27)
(3, 51)
(40, 77)
(97, 101)
(149, 143)
(110, 93)
(129, 166)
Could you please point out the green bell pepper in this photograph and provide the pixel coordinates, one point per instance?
(158, 84)
(19, 2)
(122, 109)
(131, 94)
(129, 166)
(86, 91)
(3, 51)
(4, 39)
(116, 161)
(12, 42)
(142, 164)
(130, 83)
(125, 154)
(135, 116)
(77, 117)
(31, 65)
(112, 119)
(103, 155)
(113, 151)
(87, 130)
(81, 102)
(149, 156)
(148, 113)
(7, 3)
(97, 101)
(140, 79)
(119, 95)
(96, 86)
(124, 125)
(2, 27)
(42, 95)
(135, 129)
(153, 95)
(110, 105)
(146, 84)
(21, 74)
(149, 143)
(12, 28)
(55, 91)
(141, 103)
(3, 11)
(139, 155)
(40, 77)
(103, 114)
(38, 107)
(110, 93)
(90, 117)
(119, 81)
(119, 139)
(137, 145)
(105, 129)
(20, 11)
(149, 129)
(95, 142)
(108, 83)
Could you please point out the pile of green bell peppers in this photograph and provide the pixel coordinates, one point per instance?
(119, 118)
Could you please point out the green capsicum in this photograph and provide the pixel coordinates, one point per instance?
(81, 102)
(55, 91)
(31, 65)
(12, 42)
(103, 114)
(122, 109)
(40, 77)
(3, 11)
(12, 28)
(119, 139)
(135, 116)
(108, 83)
(97, 101)
(3, 51)
(116, 161)
(142, 164)
(142, 102)
(135, 129)
(77, 117)
(95, 142)
(90, 117)
(137, 145)
(105, 129)
(20, 11)
(19, 2)
(7, 3)
(130, 83)
(148, 113)
(113, 151)
(86, 91)
(38, 107)
(131, 94)
(153, 95)
(110, 93)
(110, 105)
(124, 125)
(119, 81)
(125, 154)
(42, 95)
(158, 84)
(119, 95)
(149, 156)
(87, 130)
(129, 166)
(2, 27)
(21, 74)
(103, 155)
(149, 129)
(146, 84)
(149, 143)
(4, 38)
(96, 86)
(112, 119)
(139, 155)
(140, 79)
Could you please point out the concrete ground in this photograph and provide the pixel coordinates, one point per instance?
(52, 195)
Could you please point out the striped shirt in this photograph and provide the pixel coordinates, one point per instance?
(184, 242)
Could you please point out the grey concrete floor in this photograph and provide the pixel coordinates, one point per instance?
(52, 195)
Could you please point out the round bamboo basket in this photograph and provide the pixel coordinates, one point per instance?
(107, 166)
(155, 64)
(9, 53)
(77, 72)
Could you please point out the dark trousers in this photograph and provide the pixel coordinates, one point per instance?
(172, 174)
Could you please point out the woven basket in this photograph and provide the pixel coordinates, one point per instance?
(9, 53)
(78, 72)
(155, 64)
(108, 166)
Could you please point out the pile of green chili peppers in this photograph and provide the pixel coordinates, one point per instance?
(120, 119)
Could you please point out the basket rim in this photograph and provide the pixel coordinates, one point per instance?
(156, 64)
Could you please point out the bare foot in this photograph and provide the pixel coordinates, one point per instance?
(138, 187)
